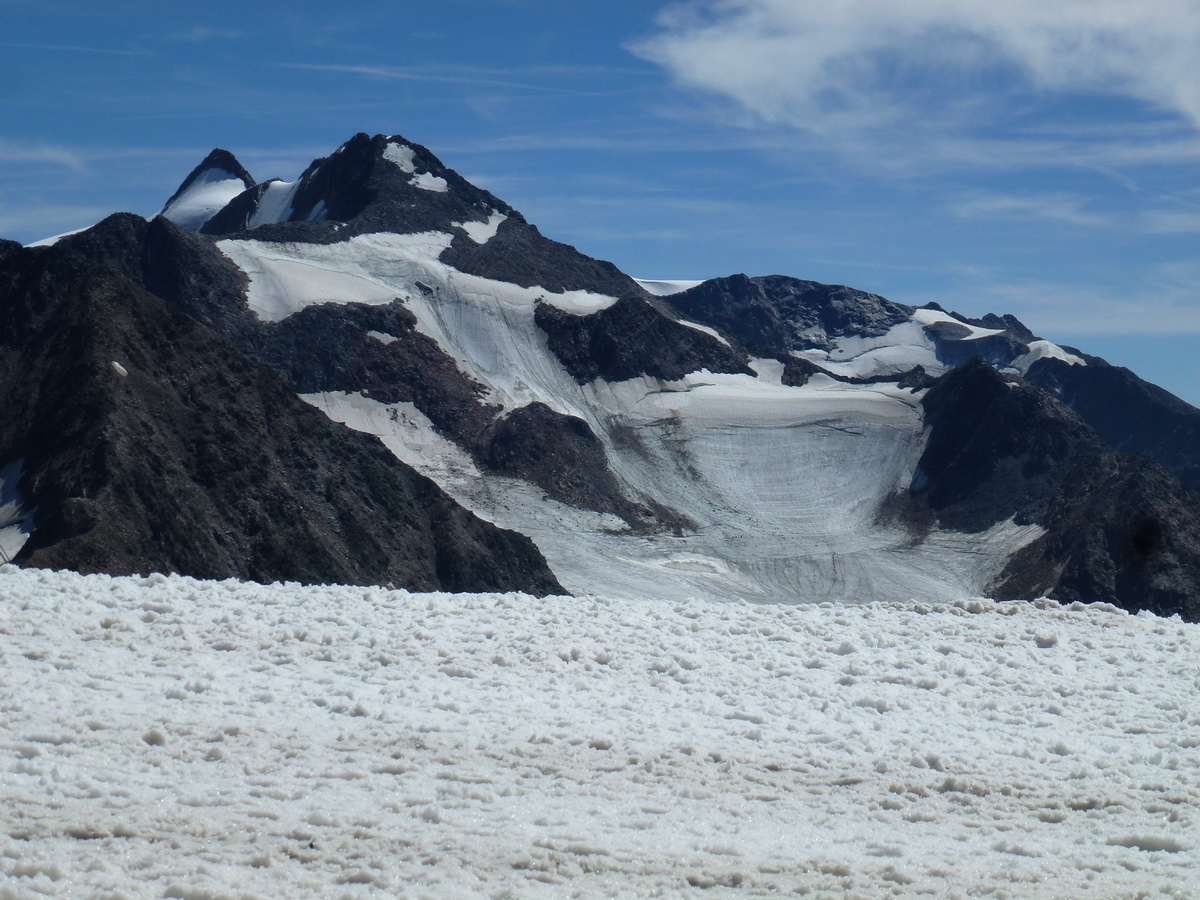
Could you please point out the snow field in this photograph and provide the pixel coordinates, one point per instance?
(165, 737)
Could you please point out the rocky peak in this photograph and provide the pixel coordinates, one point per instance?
(369, 184)
(782, 314)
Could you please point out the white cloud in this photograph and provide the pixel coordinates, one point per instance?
(831, 65)
(474, 75)
(46, 154)
(1070, 208)
(1163, 303)
(1172, 221)
(201, 33)
(36, 222)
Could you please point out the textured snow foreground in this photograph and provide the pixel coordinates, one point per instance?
(166, 737)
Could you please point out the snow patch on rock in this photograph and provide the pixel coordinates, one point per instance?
(482, 232)
(401, 155)
(1045, 350)
(426, 181)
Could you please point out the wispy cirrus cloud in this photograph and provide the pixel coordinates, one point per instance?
(1164, 303)
(839, 64)
(1173, 221)
(929, 89)
(535, 79)
(199, 34)
(46, 154)
(41, 221)
(76, 48)
(1070, 208)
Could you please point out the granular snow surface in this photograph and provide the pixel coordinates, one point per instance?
(166, 737)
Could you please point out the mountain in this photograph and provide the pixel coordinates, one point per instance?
(147, 442)
(380, 372)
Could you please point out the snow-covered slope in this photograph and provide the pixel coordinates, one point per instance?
(165, 737)
(783, 485)
(207, 190)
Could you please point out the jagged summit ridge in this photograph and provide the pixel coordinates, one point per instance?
(368, 178)
(385, 184)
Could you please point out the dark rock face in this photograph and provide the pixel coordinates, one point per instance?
(520, 254)
(1014, 326)
(374, 349)
(778, 315)
(236, 214)
(562, 456)
(1125, 533)
(783, 314)
(331, 348)
(797, 370)
(1132, 415)
(994, 449)
(188, 272)
(1119, 528)
(632, 338)
(998, 349)
(195, 458)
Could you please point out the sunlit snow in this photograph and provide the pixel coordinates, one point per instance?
(902, 347)
(55, 238)
(482, 232)
(666, 288)
(429, 182)
(1045, 350)
(165, 737)
(275, 205)
(373, 268)
(205, 197)
(402, 156)
(927, 317)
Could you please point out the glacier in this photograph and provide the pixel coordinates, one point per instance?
(784, 484)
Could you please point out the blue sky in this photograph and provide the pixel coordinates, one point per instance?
(1027, 157)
